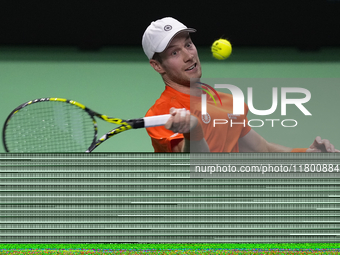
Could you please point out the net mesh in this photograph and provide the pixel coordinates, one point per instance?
(49, 126)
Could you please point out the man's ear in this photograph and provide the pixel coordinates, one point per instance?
(157, 66)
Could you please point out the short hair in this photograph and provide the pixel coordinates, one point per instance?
(157, 57)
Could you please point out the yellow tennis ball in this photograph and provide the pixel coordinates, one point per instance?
(221, 49)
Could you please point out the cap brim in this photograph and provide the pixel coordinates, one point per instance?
(167, 40)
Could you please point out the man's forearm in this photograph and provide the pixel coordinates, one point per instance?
(195, 146)
(272, 147)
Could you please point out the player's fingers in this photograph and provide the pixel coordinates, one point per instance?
(313, 150)
(176, 121)
(186, 128)
(168, 124)
(183, 113)
(172, 111)
(188, 121)
(179, 122)
(183, 124)
(327, 145)
(318, 140)
(336, 150)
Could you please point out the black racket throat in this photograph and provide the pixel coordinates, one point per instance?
(136, 123)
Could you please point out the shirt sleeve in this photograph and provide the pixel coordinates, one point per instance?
(162, 139)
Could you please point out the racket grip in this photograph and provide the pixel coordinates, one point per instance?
(154, 121)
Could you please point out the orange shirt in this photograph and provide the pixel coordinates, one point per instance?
(221, 138)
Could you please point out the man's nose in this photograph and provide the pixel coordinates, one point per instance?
(188, 55)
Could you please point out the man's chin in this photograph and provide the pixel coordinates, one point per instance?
(196, 75)
(194, 80)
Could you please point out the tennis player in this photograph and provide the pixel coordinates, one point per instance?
(171, 52)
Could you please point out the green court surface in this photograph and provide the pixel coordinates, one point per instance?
(120, 82)
(198, 248)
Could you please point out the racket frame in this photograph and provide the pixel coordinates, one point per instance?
(151, 121)
(124, 125)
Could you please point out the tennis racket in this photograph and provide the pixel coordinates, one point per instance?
(61, 125)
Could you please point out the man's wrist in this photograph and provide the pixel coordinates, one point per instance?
(196, 134)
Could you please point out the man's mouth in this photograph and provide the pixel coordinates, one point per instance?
(191, 67)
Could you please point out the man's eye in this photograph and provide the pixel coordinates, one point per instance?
(174, 53)
(189, 44)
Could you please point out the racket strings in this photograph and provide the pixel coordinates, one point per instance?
(49, 127)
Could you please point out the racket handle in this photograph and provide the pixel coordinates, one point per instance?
(155, 121)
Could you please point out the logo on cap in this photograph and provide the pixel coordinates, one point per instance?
(167, 27)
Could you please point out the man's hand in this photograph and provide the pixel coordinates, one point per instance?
(321, 145)
(180, 121)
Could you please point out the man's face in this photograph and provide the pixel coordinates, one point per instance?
(180, 60)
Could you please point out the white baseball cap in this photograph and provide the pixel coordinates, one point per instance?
(159, 34)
